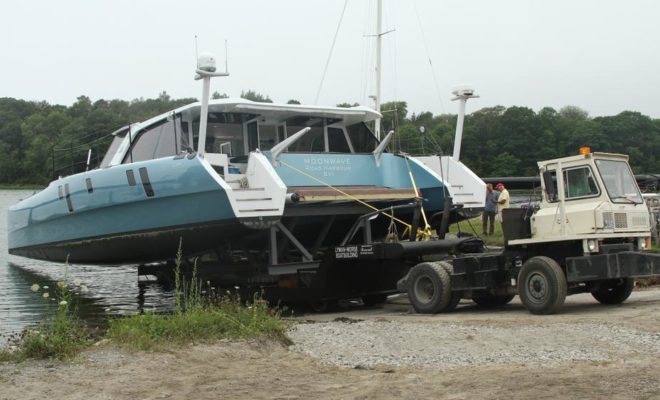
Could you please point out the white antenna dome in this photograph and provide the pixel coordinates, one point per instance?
(206, 62)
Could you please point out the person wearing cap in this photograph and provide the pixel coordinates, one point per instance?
(502, 200)
(490, 210)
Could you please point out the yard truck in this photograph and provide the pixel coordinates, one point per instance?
(590, 233)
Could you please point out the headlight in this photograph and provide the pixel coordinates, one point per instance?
(643, 243)
(592, 245)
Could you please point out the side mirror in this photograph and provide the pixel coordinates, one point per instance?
(549, 184)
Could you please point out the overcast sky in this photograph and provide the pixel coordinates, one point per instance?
(600, 55)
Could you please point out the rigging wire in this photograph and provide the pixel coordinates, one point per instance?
(426, 46)
(332, 47)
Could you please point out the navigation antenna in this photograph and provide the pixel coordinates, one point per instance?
(206, 69)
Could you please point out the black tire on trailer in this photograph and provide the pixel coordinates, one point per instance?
(323, 306)
(429, 288)
(542, 285)
(455, 296)
(615, 291)
(373, 299)
(488, 300)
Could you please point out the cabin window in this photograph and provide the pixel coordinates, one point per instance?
(156, 141)
(579, 182)
(362, 139)
(337, 141)
(252, 136)
(224, 138)
(267, 136)
(114, 146)
(312, 142)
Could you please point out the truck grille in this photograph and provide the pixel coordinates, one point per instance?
(608, 220)
(620, 220)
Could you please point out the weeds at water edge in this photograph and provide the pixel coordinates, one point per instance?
(62, 336)
(200, 315)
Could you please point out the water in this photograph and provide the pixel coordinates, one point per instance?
(112, 290)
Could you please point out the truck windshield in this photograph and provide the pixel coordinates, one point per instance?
(619, 181)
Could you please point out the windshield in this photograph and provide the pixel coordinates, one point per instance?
(116, 141)
(619, 181)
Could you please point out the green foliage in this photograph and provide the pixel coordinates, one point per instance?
(254, 96)
(199, 316)
(60, 337)
(217, 95)
(227, 319)
(293, 101)
(499, 141)
(475, 227)
(32, 132)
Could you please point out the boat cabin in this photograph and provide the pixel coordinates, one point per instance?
(236, 127)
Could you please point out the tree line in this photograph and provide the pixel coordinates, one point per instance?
(39, 140)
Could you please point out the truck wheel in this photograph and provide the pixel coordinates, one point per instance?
(428, 288)
(615, 291)
(542, 285)
(490, 300)
(455, 296)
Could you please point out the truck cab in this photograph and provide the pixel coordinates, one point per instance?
(594, 201)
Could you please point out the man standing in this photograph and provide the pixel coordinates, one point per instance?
(490, 209)
(502, 200)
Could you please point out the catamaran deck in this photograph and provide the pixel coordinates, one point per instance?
(350, 193)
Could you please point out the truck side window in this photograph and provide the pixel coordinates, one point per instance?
(579, 182)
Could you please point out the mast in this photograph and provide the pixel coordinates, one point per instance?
(462, 94)
(379, 39)
(205, 71)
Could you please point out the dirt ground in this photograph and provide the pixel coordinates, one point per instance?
(259, 370)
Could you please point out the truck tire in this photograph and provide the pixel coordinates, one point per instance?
(488, 300)
(542, 285)
(615, 291)
(428, 288)
(455, 296)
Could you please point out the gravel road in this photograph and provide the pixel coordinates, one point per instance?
(392, 337)
(589, 351)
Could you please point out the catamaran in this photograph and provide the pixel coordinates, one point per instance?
(261, 173)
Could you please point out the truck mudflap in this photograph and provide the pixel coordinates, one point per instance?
(624, 264)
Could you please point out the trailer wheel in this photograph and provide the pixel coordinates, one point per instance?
(429, 288)
(487, 300)
(455, 296)
(615, 291)
(324, 306)
(374, 299)
(542, 285)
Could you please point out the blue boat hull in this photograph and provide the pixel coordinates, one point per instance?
(139, 212)
(114, 215)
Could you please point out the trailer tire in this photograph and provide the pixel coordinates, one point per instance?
(542, 285)
(429, 288)
(615, 292)
(488, 300)
(373, 299)
(455, 296)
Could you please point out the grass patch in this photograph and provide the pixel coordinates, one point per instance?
(205, 323)
(20, 186)
(199, 317)
(61, 337)
(475, 226)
